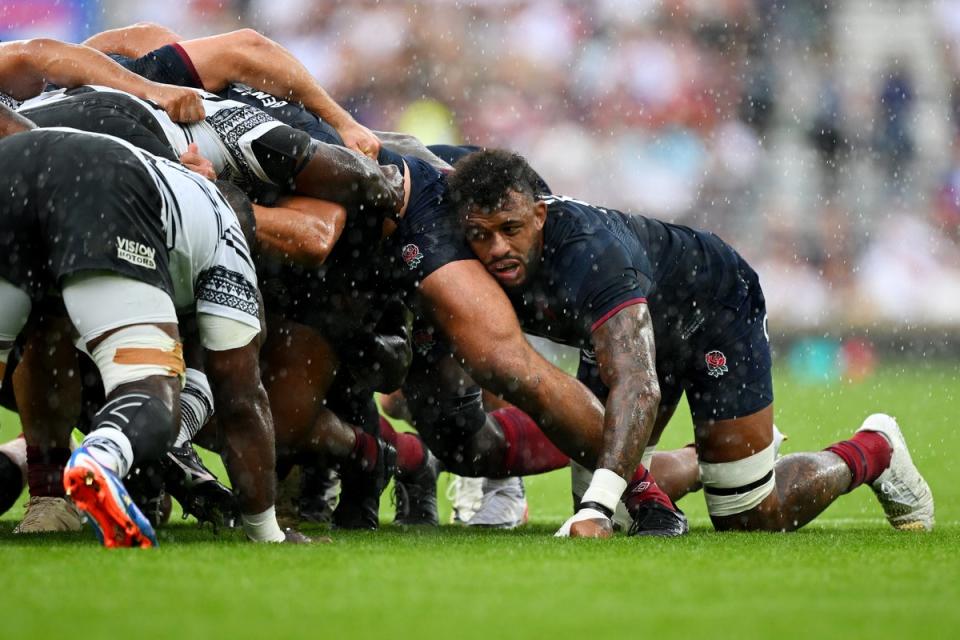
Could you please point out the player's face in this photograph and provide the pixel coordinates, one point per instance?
(508, 241)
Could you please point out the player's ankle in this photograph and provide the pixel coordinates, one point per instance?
(643, 488)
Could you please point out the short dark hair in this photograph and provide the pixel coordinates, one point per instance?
(483, 179)
(242, 206)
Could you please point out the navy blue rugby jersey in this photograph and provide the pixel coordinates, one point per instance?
(597, 261)
(170, 64)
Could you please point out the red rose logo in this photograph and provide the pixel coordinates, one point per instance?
(411, 255)
(716, 363)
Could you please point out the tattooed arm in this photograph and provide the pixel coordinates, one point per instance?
(627, 359)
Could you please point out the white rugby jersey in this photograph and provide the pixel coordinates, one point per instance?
(209, 260)
(224, 136)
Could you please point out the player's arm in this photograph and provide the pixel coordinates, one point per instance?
(250, 58)
(27, 65)
(134, 41)
(477, 318)
(300, 229)
(626, 360)
(12, 122)
(344, 176)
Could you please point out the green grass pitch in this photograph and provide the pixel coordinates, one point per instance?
(848, 575)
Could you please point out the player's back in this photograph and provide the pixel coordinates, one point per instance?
(677, 261)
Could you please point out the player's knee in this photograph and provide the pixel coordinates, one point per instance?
(135, 353)
(739, 486)
(144, 418)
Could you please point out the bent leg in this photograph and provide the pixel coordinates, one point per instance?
(746, 490)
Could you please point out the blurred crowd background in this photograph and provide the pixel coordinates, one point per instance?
(819, 138)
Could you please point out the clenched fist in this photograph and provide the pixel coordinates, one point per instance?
(180, 103)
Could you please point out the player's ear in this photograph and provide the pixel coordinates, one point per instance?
(540, 213)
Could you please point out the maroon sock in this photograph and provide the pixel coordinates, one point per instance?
(365, 450)
(45, 470)
(643, 488)
(867, 454)
(411, 453)
(528, 450)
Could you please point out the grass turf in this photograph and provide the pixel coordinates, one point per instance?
(848, 575)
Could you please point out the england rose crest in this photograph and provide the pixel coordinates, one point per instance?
(716, 363)
(411, 255)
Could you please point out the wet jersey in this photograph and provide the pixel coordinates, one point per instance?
(597, 261)
(75, 201)
(225, 136)
(170, 64)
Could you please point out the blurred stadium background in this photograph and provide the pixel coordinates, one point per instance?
(820, 139)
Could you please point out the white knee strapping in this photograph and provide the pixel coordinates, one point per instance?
(137, 352)
(734, 487)
(101, 301)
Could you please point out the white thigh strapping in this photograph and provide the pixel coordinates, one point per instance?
(100, 301)
(14, 310)
(218, 333)
(734, 487)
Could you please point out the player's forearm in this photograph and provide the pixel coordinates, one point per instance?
(305, 237)
(626, 358)
(266, 65)
(568, 412)
(628, 422)
(132, 41)
(343, 176)
(12, 122)
(70, 65)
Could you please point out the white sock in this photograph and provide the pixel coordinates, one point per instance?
(263, 527)
(111, 448)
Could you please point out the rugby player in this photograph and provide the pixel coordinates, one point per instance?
(26, 66)
(659, 310)
(122, 284)
(425, 255)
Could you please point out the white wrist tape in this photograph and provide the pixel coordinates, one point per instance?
(579, 516)
(606, 488)
(263, 527)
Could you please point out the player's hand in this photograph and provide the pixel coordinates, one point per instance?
(359, 138)
(586, 523)
(192, 160)
(180, 103)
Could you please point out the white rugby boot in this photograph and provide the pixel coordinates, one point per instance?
(504, 505)
(903, 493)
(465, 495)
